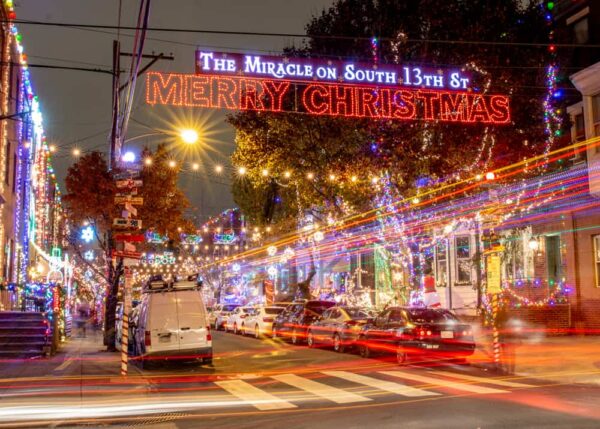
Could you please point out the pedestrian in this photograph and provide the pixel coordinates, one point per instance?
(508, 337)
(83, 314)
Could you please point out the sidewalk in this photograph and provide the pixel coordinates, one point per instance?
(77, 357)
(566, 359)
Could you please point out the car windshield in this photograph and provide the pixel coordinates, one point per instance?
(273, 310)
(230, 307)
(319, 306)
(357, 313)
(426, 315)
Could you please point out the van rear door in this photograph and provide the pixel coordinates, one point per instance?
(193, 329)
(164, 324)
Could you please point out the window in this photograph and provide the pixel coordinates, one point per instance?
(463, 259)
(596, 114)
(597, 258)
(579, 127)
(14, 187)
(7, 163)
(441, 273)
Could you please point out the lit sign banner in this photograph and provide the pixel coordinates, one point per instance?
(332, 99)
(310, 69)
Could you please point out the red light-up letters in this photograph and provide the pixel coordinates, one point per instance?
(333, 99)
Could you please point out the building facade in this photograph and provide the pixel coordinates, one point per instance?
(30, 207)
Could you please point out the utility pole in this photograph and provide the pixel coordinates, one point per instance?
(116, 263)
(117, 88)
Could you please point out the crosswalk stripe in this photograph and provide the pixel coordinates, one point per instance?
(443, 383)
(334, 394)
(482, 379)
(253, 395)
(388, 386)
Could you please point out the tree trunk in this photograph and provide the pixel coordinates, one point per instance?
(304, 286)
(111, 307)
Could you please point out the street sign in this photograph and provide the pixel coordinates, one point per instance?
(132, 238)
(127, 223)
(137, 201)
(129, 184)
(127, 192)
(127, 175)
(125, 254)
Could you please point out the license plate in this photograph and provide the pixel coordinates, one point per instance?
(447, 334)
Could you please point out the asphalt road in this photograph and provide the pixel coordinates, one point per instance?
(265, 383)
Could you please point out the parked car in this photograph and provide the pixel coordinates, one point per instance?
(172, 322)
(213, 312)
(293, 322)
(223, 315)
(260, 322)
(409, 332)
(338, 327)
(236, 319)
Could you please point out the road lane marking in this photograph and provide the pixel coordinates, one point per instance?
(388, 386)
(253, 395)
(482, 379)
(64, 365)
(334, 394)
(443, 383)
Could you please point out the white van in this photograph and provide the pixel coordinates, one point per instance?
(172, 323)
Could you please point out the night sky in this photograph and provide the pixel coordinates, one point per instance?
(77, 105)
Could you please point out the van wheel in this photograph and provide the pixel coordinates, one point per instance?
(207, 361)
(257, 332)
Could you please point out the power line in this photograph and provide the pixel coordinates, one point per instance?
(298, 36)
(50, 66)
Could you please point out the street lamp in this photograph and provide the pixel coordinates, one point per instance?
(189, 136)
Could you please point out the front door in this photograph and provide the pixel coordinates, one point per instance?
(553, 259)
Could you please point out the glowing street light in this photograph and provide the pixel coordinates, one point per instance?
(76, 152)
(129, 157)
(189, 136)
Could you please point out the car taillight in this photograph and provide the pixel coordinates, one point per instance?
(424, 333)
(467, 333)
(208, 334)
(147, 338)
(267, 319)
